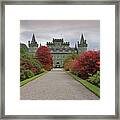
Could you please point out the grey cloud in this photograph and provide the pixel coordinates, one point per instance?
(70, 30)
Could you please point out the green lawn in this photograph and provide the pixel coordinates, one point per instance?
(30, 79)
(91, 87)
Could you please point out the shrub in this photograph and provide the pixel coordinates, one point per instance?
(22, 51)
(69, 60)
(36, 63)
(35, 70)
(47, 67)
(22, 75)
(67, 65)
(74, 67)
(42, 70)
(95, 79)
(87, 63)
(25, 63)
(29, 73)
(36, 66)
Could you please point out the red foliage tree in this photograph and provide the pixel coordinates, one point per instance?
(44, 57)
(87, 63)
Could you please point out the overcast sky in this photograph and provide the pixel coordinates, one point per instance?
(69, 30)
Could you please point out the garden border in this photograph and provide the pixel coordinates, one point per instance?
(24, 82)
(80, 80)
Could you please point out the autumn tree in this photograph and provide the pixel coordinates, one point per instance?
(87, 63)
(69, 60)
(44, 57)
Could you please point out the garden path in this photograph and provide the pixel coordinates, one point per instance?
(55, 85)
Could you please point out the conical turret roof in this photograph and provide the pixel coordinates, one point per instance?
(82, 39)
(33, 38)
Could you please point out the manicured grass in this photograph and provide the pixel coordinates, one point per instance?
(91, 87)
(30, 79)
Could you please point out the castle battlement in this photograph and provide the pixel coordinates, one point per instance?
(57, 42)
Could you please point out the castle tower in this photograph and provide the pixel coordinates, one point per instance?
(33, 45)
(82, 46)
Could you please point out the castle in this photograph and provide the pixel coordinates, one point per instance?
(59, 49)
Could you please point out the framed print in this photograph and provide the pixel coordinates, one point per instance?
(60, 60)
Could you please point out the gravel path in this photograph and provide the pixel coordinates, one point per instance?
(55, 85)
